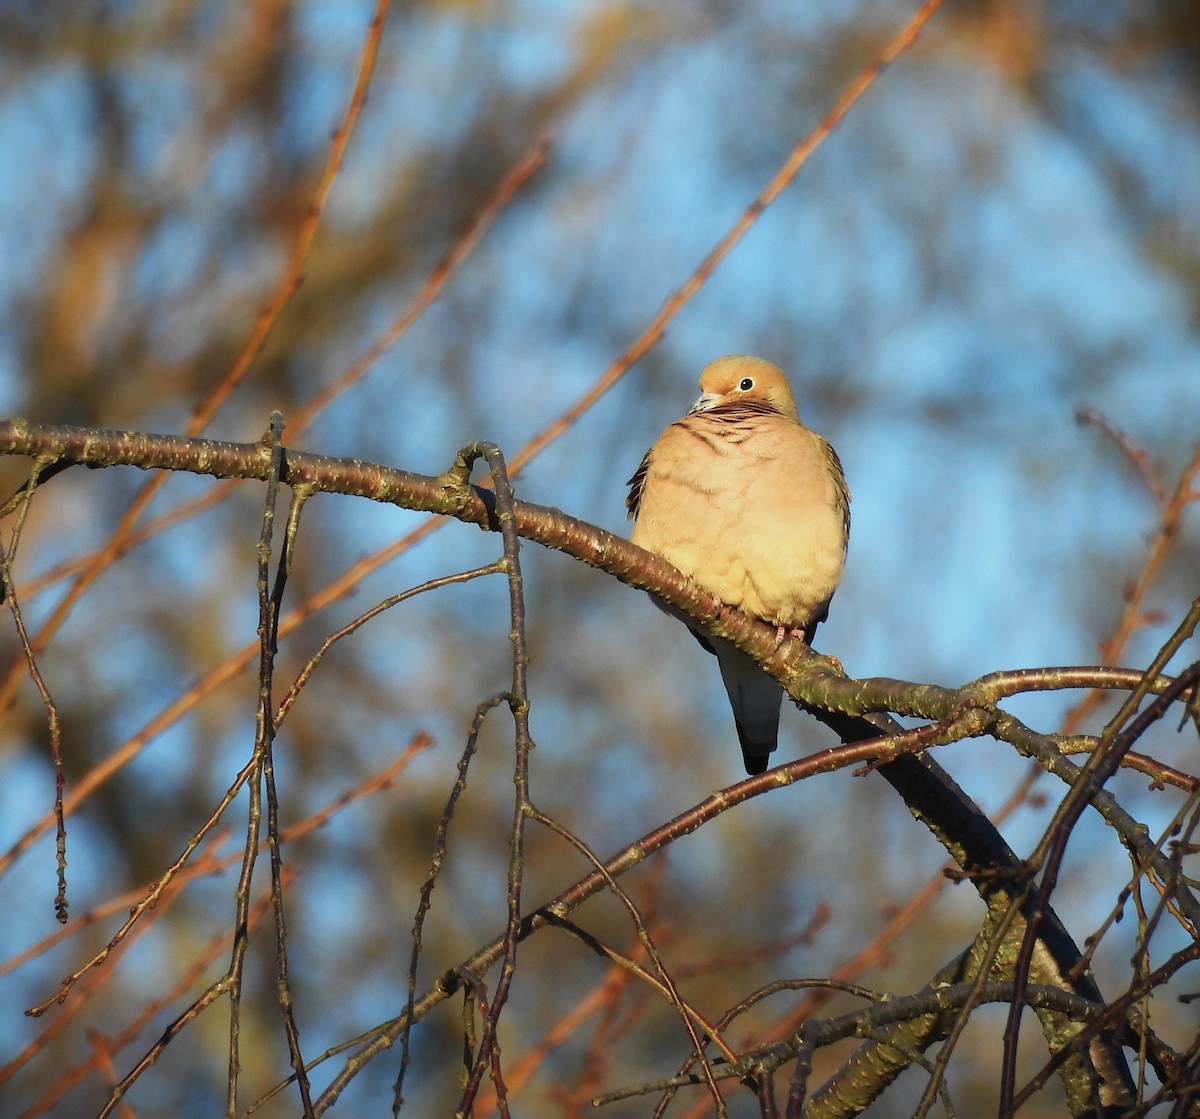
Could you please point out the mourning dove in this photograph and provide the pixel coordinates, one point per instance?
(743, 498)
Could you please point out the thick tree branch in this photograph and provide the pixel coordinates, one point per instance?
(810, 680)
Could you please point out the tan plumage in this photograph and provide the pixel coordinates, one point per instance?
(743, 498)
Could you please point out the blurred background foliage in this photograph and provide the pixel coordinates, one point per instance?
(1005, 228)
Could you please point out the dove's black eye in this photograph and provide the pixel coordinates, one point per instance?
(746, 384)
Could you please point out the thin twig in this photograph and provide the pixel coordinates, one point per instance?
(302, 677)
(264, 732)
(518, 702)
(665, 980)
(426, 895)
(267, 731)
(1132, 450)
(69, 1078)
(8, 586)
(176, 1027)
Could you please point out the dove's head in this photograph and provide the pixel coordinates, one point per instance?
(739, 377)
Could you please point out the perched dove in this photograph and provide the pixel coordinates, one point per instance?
(743, 498)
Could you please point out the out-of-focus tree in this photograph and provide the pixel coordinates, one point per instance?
(449, 225)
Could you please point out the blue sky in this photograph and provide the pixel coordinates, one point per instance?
(977, 251)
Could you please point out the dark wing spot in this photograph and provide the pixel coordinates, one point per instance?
(841, 490)
(636, 485)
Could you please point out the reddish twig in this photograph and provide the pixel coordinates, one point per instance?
(289, 282)
(779, 182)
